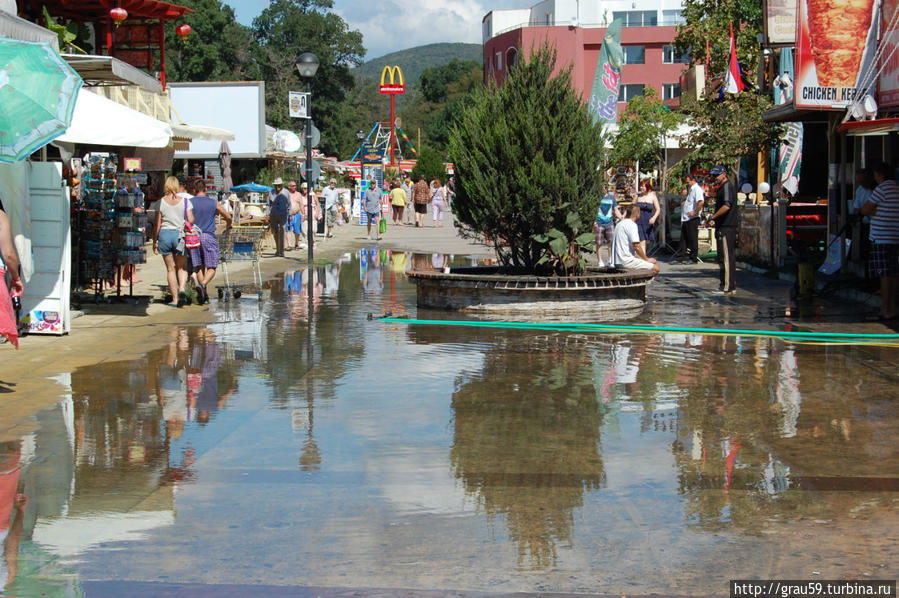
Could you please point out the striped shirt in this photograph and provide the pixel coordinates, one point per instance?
(885, 221)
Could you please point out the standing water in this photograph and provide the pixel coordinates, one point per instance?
(299, 443)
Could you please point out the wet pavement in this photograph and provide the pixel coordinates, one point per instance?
(298, 446)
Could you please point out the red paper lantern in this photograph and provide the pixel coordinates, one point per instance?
(118, 15)
(183, 31)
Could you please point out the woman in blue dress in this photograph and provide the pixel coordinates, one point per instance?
(649, 213)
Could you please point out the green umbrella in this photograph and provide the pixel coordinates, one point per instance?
(37, 96)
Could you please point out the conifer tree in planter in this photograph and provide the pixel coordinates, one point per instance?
(526, 159)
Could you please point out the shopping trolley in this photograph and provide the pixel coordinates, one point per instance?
(240, 244)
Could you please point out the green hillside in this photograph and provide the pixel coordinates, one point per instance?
(414, 60)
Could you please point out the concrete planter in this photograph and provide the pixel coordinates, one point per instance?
(496, 290)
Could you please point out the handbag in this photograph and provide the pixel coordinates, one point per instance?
(191, 232)
(382, 226)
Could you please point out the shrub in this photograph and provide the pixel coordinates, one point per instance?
(430, 164)
(526, 157)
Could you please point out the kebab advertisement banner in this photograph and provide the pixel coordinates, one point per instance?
(836, 44)
(889, 76)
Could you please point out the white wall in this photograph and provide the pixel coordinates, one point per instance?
(498, 21)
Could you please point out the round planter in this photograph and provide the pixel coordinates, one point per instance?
(496, 290)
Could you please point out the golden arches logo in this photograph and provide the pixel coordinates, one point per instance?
(392, 80)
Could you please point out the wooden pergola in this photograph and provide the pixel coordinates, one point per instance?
(133, 41)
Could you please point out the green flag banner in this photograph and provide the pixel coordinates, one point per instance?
(604, 94)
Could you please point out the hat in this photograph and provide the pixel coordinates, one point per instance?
(304, 185)
(720, 169)
(333, 180)
(233, 197)
(278, 181)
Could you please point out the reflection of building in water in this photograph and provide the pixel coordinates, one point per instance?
(526, 443)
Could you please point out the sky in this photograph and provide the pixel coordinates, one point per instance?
(391, 25)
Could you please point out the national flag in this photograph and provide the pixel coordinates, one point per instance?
(733, 83)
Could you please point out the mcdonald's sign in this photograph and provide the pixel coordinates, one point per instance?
(392, 81)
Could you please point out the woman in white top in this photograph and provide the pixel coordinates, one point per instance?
(173, 211)
(437, 202)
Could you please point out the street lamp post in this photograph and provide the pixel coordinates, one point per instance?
(360, 135)
(307, 65)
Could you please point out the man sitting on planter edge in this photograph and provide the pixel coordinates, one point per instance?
(626, 249)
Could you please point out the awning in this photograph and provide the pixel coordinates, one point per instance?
(98, 121)
(26, 31)
(880, 126)
(789, 113)
(106, 70)
(202, 132)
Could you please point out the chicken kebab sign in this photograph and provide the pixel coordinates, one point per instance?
(836, 46)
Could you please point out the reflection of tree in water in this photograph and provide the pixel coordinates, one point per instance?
(527, 442)
(727, 470)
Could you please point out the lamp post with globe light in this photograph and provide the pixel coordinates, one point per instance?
(307, 65)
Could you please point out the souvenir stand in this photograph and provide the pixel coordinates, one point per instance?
(108, 225)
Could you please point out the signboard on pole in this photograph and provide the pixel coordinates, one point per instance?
(780, 22)
(835, 49)
(604, 94)
(298, 104)
(392, 81)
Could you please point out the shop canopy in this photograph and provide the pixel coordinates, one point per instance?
(81, 10)
(880, 126)
(98, 121)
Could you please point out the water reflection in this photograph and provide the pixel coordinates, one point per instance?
(527, 442)
(295, 430)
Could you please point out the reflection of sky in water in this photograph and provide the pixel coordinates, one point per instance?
(434, 457)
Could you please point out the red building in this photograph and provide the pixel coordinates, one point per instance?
(649, 56)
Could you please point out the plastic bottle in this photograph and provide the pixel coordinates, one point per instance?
(16, 295)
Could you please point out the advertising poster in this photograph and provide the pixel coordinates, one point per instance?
(889, 76)
(780, 22)
(836, 43)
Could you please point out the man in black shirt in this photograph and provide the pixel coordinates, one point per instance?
(277, 216)
(726, 219)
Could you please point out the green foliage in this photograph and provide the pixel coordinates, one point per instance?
(642, 129)
(526, 157)
(430, 164)
(66, 34)
(414, 60)
(286, 29)
(565, 249)
(435, 81)
(723, 131)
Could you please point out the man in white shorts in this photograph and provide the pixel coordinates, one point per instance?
(626, 250)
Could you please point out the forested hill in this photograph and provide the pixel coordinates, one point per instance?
(414, 60)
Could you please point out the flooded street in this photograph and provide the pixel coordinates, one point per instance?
(299, 442)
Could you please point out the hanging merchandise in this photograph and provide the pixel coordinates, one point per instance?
(111, 221)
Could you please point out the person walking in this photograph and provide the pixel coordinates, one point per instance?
(295, 220)
(331, 199)
(604, 225)
(690, 210)
(173, 212)
(409, 212)
(627, 249)
(205, 258)
(372, 207)
(421, 195)
(398, 201)
(726, 219)
(277, 216)
(649, 214)
(316, 208)
(438, 203)
(883, 208)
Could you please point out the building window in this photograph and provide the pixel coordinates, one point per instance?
(628, 92)
(637, 18)
(670, 91)
(499, 61)
(670, 56)
(634, 54)
(671, 18)
(511, 57)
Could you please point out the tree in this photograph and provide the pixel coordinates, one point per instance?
(218, 48)
(435, 81)
(526, 157)
(642, 130)
(286, 29)
(430, 164)
(726, 129)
